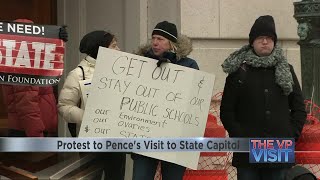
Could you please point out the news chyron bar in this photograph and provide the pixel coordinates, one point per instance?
(261, 150)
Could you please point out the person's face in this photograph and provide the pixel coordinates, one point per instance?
(114, 45)
(263, 45)
(160, 45)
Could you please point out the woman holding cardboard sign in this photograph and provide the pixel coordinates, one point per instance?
(70, 106)
(166, 47)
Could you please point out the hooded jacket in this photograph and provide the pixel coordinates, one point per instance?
(69, 98)
(184, 48)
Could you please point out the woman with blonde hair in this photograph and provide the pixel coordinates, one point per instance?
(166, 47)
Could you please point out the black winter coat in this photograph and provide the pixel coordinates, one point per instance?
(253, 105)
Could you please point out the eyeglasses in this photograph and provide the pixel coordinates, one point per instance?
(262, 38)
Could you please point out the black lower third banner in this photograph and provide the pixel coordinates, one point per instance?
(24, 79)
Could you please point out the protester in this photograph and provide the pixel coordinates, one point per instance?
(262, 98)
(70, 107)
(32, 110)
(166, 47)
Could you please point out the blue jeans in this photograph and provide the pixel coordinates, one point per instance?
(261, 173)
(144, 168)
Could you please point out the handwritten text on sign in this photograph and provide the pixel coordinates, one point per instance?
(131, 97)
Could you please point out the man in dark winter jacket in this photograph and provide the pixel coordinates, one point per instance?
(262, 98)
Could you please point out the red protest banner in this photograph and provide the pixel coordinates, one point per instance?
(30, 54)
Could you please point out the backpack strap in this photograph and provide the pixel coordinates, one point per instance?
(73, 126)
(83, 76)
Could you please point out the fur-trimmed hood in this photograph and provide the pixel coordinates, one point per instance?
(184, 47)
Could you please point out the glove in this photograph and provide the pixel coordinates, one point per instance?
(167, 57)
(162, 60)
(63, 34)
(171, 56)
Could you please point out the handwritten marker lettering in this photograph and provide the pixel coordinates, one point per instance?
(86, 129)
(200, 85)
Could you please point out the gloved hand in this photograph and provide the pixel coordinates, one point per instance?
(63, 34)
(162, 60)
(171, 56)
(167, 57)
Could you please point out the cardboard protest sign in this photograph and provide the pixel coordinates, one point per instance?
(30, 54)
(131, 97)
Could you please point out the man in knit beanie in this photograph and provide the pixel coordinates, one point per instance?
(263, 33)
(263, 26)
(168, 47)
(167, 30)
(262, 98)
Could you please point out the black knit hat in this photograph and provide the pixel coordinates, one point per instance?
(90, 42)
(167, 30)
(263, 26)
